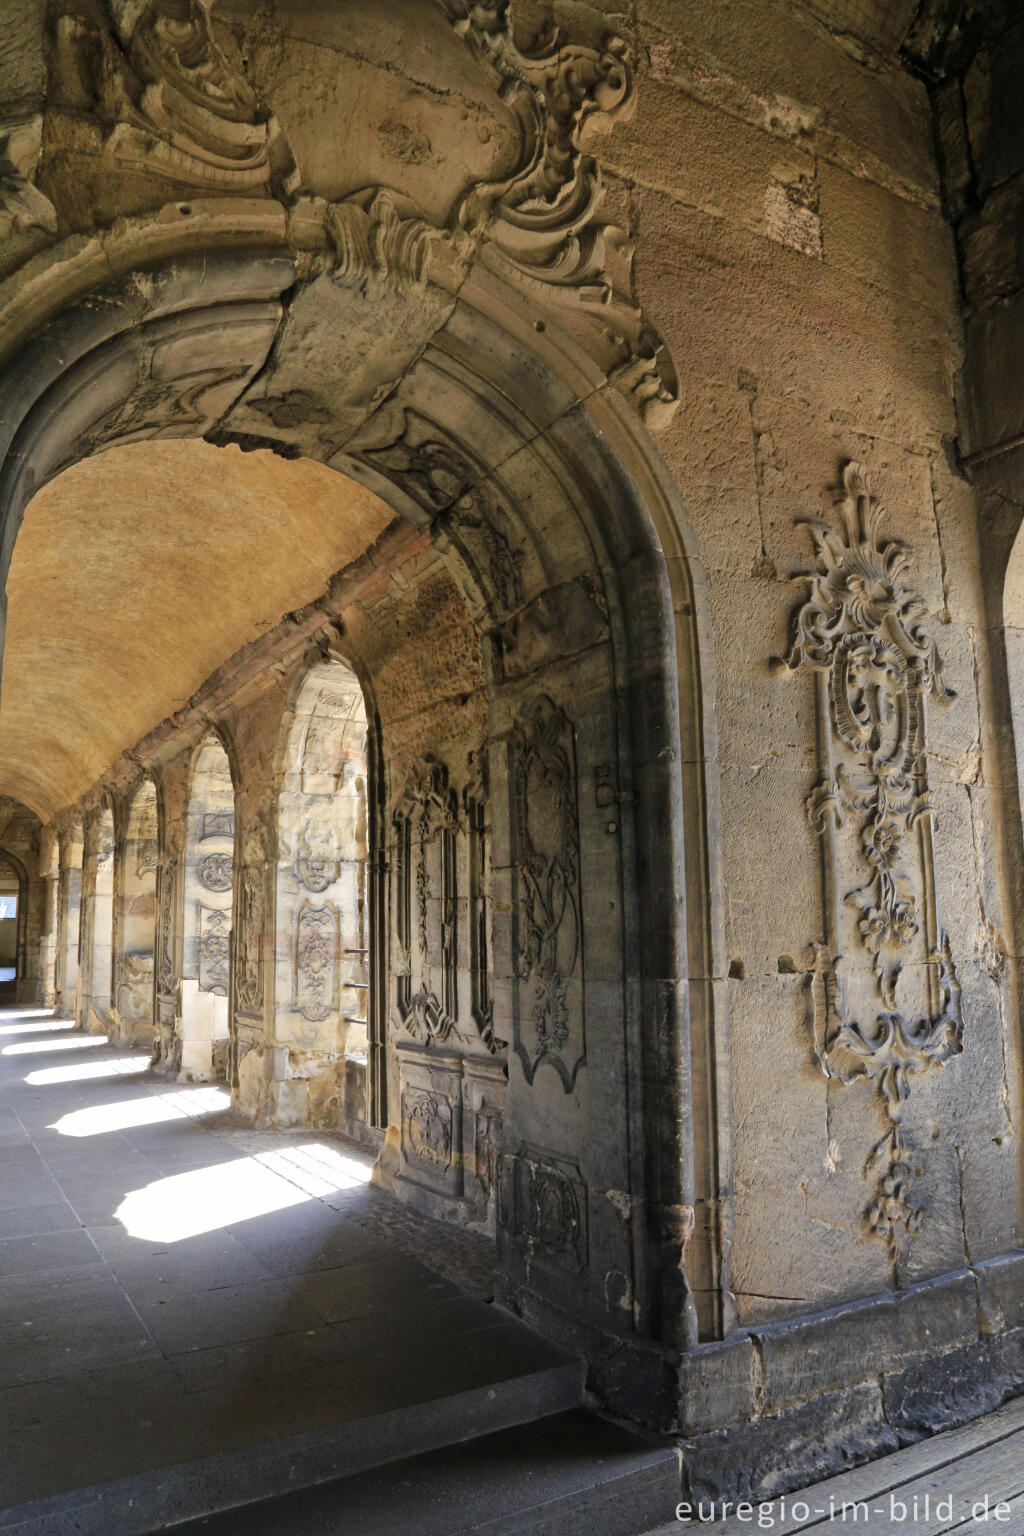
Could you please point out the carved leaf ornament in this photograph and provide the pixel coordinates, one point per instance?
(862, 633)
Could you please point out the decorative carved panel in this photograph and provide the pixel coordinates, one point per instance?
(425, 897)
(427, 1123)
(164, 938)
(215, 871)
(544, 1202)
(474, 800)
(317, 961)
(214, 948)
(548, 1013)
(218, 824)
(861, 632)
(249, 953)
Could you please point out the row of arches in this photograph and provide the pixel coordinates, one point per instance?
(129, 933)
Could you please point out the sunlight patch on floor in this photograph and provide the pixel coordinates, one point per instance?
(28, 1047)
(117, 1066)
(206, 1199)
(41, 1026)
(151, 1109)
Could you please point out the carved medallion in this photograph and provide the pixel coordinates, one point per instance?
(548, 1021)
(862, 633)
(215, 871)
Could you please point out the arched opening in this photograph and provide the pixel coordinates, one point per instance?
(322, 992)
(97, 933)
(136, 919)
(207, 920)
(529, 637)
(71, 853)
(13, 897)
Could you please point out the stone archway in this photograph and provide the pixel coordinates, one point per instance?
(533, 503)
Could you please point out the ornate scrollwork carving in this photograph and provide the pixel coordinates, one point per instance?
(542, 222)
(862, 633)
(547, 923)
(186, 112)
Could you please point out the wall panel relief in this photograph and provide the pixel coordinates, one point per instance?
(249, 956)
(876, 670)
(426, 828)
(317, 961)
(548, 1012)
(544, 1201)
(214, 948)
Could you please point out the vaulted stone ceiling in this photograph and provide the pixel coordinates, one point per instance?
(136, 574)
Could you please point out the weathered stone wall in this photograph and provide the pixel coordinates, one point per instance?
(792, 246)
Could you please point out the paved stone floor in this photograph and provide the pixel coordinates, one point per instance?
(965, 1482)
(173, 1285)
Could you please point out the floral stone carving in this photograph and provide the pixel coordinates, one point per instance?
(862, 633)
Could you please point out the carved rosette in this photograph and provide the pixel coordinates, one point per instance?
(548, 1019)
(861, 632)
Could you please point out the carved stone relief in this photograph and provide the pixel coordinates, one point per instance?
(425, 897)
(474, 800)
(876, 670)
(543, 227)
(548, 1014)
(217, 824)
(249, 954)
(164, 945)
(410, 450)
(215, 870)
(544, 1201)
(213, 927)
(182, 109)
(317, 960)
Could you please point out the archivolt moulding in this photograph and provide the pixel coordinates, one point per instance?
(876, 669)
(171, 105)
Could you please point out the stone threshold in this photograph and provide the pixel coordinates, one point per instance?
(163, 1497)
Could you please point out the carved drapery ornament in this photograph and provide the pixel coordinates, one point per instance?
(548, 1017)
(876, 669)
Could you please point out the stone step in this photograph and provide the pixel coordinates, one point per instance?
(570, 1475)
(166, 1497)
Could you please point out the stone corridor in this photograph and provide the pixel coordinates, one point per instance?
(175, 1289)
